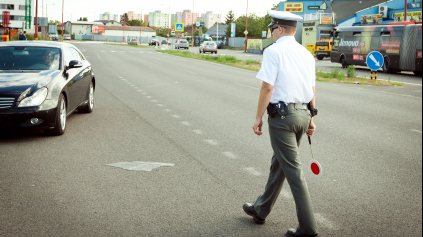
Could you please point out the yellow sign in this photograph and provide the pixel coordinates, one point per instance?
(312, 48)
(327, 20)
(411, 16)
(294, 7)
(371, 19)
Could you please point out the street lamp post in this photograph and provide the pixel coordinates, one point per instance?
(192, 24)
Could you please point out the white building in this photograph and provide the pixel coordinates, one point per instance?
(133, 16)
(107, 16)
(210, 19)
(158, 19)
(17, 14)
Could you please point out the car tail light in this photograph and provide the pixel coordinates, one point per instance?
(205, 47)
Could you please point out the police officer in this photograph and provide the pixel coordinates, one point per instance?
(288, 89)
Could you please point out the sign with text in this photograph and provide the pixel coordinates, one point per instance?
(200, 19)
(233, 29)
(419, 54)
(391, 47)
(294, 7)
(327, 20)
(411, 16)
(371, 19)
(324, 6)
(98, 29)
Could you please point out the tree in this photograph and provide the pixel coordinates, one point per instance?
(230, 18)
(256, 25)
(136, 23)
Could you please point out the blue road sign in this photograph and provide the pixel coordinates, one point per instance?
(179, 27)
(375, 60)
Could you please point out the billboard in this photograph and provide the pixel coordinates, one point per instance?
(98, 29)
(233, 29)
(411, 16)
(327, 20)
(255, 44)
(371, 19)
(294, 7)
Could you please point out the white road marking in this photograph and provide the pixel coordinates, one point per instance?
(150, 52)
(160, 105)
(410, 96)
(247, 86)
(112, 51)
(186, 123)
(417, 131)
(325, 222)
(199, 132)
(252, 171)
(186, 71)
(167, 110)
(154, 101)
(229, 155)
(144, 93)
(140, 166)
(212, 142)
(406, 83)
(148, 97)
(176, 116)
(140, 90)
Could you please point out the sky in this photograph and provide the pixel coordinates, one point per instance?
(73, 9)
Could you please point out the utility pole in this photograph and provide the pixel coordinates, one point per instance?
(192, 24)
(246, 29)
(36, 20)
(405, 11)
(63, 8)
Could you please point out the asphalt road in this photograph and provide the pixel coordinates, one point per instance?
(196, 115)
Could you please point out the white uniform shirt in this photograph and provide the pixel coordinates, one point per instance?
(290, 68)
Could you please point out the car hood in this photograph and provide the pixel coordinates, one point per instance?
(14, 83)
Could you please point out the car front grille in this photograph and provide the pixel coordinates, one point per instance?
(6, 103)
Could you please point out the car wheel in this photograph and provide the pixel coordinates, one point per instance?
(61, 117)
(320, 57)
(90, 106)
(386, 65)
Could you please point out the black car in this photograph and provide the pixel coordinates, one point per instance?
(42, 83)
(153, 42)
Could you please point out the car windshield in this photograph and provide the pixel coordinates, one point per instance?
(322, 44)
(29, 58)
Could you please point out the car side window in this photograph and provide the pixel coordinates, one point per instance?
(68, 56)
(76, 55)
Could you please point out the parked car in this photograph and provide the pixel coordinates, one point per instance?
(153, 42)
(42, 83)
(219, 44)
(133, 41)
(182, 44)
(164, 42)
(208, 46)
(53, 36)
(66, 37)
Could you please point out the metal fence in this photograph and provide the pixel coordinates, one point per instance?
(236, 42)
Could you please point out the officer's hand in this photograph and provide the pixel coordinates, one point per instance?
(257, 127)
(311, 129)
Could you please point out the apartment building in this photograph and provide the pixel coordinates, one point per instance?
(158, 19)
(133, 16)
(210, 19)
(187, 17)
(107, 16)
(16, 8)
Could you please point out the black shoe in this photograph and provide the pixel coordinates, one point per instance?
(249, 209)
(297, 233)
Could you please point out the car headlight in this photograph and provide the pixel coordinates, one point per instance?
(36, 99)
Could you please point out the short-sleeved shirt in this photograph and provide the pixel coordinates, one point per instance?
(290, 68)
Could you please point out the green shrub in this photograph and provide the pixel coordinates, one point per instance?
(231, 59)
(336, 71)
(351, 72)
(251, 61)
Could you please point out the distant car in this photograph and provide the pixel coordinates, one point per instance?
(208, 46)
(164, 42)
(183, 44)
(66, 37)
(53, 36)
(153, 42)
(133, 42)
(42, 83)
(219, 44)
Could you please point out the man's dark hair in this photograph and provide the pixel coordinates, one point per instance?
(24, 32)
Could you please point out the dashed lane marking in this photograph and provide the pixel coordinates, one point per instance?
(176, 116)
(252, 171)
(160, 105)
(325, 222)
(417, 131)
(186, 71)
(229, 154)
(140, 166)
(247, 86)
(167, 110)
(212, 142)
(199, 132)
(186, 123)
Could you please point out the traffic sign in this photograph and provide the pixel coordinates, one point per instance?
(179, 27)
(198, 24)
(173, 32)
(245, 32)
(375, 60)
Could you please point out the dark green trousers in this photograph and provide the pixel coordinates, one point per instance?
(285, 136)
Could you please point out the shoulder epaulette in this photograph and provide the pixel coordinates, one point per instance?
(267, 46)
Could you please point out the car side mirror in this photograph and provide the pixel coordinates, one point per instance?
(75, 64)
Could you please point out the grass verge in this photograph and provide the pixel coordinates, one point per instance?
(131, 45)
(336, 75)
(229, 60)
(233, 48)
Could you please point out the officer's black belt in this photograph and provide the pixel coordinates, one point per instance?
(281, 108)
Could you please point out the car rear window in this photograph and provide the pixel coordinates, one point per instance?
(29, 58)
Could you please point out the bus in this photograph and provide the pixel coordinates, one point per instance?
(400, 45)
